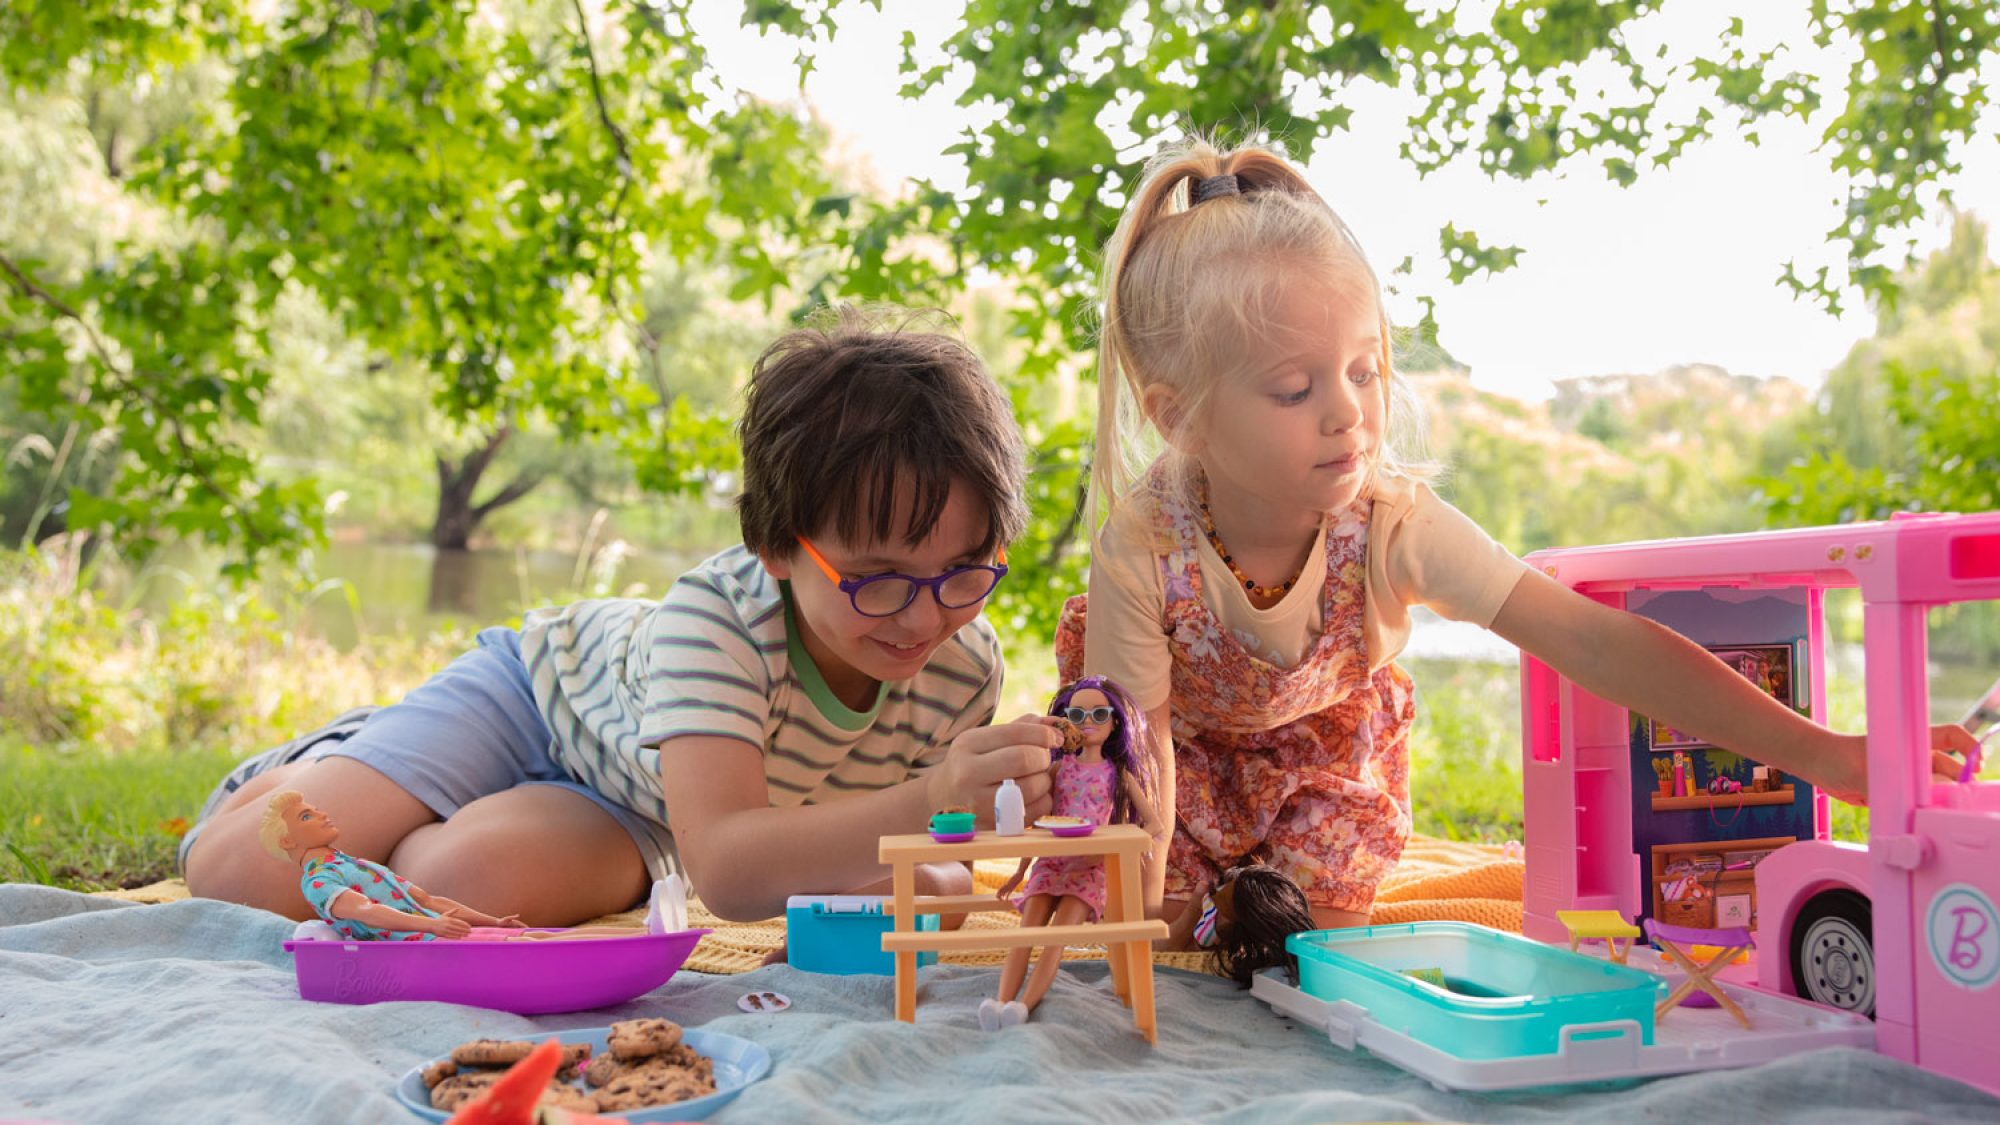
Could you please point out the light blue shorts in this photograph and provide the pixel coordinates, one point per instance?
(468, 732)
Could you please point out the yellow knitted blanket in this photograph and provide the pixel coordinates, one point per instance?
(1437, 880)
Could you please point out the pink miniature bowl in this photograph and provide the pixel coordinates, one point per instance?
(526, 977)
(953, 837)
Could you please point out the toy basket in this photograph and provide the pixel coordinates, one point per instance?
(1698, 912)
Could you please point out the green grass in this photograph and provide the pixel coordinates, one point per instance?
(1465, 751)
(92, 820)
(114, 724)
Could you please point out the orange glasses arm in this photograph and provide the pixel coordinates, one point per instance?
(831, 574)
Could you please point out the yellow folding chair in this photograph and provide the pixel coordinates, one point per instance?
(1607, 926)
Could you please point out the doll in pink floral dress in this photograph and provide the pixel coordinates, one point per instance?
(1107, 779)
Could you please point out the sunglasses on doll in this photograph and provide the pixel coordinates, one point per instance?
(886, 595)
(1095, 716)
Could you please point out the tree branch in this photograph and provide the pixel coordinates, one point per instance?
(474, 465)
(1059, 543)
(518, 487)
(604, 115)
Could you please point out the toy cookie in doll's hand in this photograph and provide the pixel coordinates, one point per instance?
(1072, 735)
(361, 900)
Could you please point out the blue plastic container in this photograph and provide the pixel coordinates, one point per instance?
(842, 934)
(1504, 995)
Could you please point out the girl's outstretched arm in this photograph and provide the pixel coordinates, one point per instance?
(1655, 671)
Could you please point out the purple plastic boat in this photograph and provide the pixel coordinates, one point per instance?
(526, 977)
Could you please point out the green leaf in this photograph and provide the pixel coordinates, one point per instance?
(1465, 256)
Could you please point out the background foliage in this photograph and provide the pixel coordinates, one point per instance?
(475, 203)
(489, 273)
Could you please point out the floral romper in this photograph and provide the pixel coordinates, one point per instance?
(1084, 789)
(1305, 768)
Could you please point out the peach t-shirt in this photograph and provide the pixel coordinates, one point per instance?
(1421, 551)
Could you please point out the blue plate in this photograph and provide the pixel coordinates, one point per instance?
(738, 1062)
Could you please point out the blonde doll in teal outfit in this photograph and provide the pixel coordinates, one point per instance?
(362, 901)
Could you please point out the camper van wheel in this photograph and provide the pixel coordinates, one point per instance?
(1833, 952)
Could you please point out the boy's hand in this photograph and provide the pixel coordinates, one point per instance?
(446, 926)
(979, 760)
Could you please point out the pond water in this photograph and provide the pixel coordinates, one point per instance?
(407, 586)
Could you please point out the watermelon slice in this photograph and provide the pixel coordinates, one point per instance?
(511, 1101)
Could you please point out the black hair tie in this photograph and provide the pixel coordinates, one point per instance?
(1214, 186)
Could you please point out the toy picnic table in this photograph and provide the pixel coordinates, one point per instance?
(1125, 931)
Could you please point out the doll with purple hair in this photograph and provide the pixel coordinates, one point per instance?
(1107, 778)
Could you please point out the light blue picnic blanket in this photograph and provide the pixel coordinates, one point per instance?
(111, 1012)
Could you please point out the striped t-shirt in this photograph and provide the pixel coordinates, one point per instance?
(719, 656)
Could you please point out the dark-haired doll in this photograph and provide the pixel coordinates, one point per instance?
(1244, 921)
(1106, 779)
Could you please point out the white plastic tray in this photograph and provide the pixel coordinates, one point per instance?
(1687, 1039)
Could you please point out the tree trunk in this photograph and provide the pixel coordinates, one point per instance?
(457, 516)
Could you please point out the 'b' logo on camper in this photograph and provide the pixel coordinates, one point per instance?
(1964, 933)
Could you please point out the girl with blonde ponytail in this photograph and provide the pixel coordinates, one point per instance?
(1262, 526)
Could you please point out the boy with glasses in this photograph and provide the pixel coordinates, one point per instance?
(788, 702)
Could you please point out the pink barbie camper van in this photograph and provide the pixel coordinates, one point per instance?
(1631, 815)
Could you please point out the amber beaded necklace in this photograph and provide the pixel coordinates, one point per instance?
(1215, 541)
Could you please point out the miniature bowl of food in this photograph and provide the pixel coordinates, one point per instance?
(635, 1070)
(952, 826)
(1067, 825)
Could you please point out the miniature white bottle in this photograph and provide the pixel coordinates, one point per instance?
(1009, 813)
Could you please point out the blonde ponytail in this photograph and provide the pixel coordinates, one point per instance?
(1186, 284)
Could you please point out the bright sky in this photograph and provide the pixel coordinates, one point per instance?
(1680, 268)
